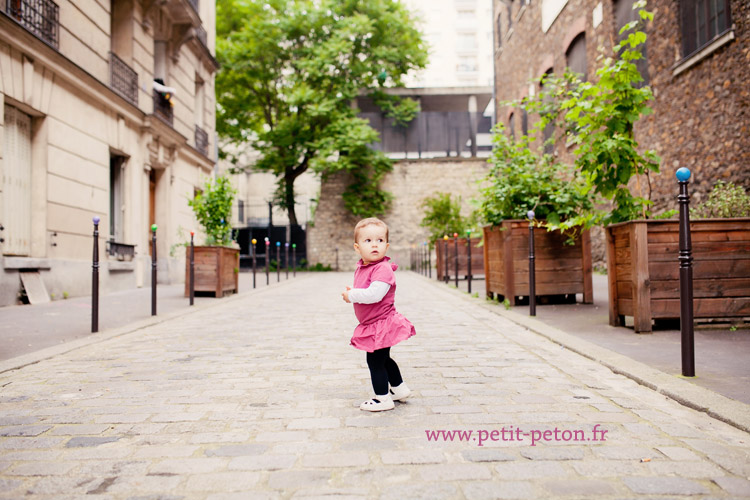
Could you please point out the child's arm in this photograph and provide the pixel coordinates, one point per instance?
(370, 295)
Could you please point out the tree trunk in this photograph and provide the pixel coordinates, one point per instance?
(289, 195)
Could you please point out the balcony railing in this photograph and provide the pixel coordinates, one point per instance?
(40, 17)
(202, 35)
(201, 140)
(195, 5)
(123, 79)
(121, 251)
(163, 108)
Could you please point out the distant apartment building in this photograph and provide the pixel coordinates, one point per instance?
(697, 61)
(109, 112)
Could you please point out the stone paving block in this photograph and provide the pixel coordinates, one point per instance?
(697, 470)
(488, 455)
(579, 488)
(236, 450)
(182, 466)
(625, 452)
(178, 417)
(262, 462)
(428, 491)
(505, 490)
(42, 468)
(455, 472)
(678, 453)
(218, 481)
(664, 486)
(294, 479)
(399, 457)
(88, 441)
(736, 486)
(530, 470)
(339, 459)
(165, 451)
(24, 430)
(553, 453)
(314, 423)
(144, 485)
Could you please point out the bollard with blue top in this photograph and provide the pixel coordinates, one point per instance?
(468, 256)
(268, 257)
(153, 269)
(686, 277)
(294, 260)
(95, 280)
(253, 241)
(286, 258)
(278, 262)
(532, 266)
(192, 269)
(445, 258)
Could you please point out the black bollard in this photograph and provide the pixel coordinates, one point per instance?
(286, 258)
(95, 280)
(294, 260)
(278, 262)
(268, 257)
(254, 241)
(429, 260)
(532, 266)
(686, 277)
(445, 258)
(468, 257)
(192, 269)
(455, 249)
(153, 269)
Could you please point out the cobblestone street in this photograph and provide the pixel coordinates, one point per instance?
(258, 397)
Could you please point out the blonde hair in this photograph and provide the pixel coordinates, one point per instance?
(368, 222)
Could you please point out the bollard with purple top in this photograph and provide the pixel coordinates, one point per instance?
(532, 266)
(153, 269)
(95, 280)
(686, 277)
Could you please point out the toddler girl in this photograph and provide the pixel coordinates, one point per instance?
(380, 326)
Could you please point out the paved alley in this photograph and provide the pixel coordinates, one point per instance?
(258, 397)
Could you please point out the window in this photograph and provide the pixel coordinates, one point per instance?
(466, 64)
(549, 129)
(512, 125)
(524, 122)
(576, 55)
(200, 100)
(16, 182)
(241, 211)
(702, 21)
(116, 201)
(467, 41)
(624, 14)
(499, 31)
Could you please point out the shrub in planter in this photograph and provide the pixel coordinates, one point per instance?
(216, 264)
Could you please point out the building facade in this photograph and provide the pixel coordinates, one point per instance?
(697, 63)
(109, 112)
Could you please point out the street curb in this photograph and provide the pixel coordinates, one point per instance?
(49, 352)
(730, 411)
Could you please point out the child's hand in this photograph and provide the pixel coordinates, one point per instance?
(345, 295)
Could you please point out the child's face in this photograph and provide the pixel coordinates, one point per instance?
(371, 243)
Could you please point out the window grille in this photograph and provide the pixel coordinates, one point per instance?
(123, 79)
(40, 17)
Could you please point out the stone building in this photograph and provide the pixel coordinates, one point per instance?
(108, 112)
(697, 63)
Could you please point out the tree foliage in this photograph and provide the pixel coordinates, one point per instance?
(442, 216)
(290, 71)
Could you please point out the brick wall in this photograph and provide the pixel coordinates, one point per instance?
(410, 182)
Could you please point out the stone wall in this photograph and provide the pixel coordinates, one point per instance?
(410, 182)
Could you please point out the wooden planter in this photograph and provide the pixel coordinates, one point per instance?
(560, 269)
(644, 271)
(477, 258)
(216, 270)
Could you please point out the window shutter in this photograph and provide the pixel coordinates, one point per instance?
(17, 183)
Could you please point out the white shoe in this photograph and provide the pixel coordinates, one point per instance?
(378, 403)
(400, 392)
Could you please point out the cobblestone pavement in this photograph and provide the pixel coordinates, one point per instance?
(258, 398)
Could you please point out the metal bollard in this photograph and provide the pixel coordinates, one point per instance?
(278, 262)
(253, 241)
(95, 280)
(153, 269)
(192, 269)
(445, 258)
(268, 257)
(532, 266)
(686, 277)
(455, 250)
(468, 257)
(429, 259)
(286, 258)
(294, 260)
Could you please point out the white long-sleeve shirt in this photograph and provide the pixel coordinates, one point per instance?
(370, 295)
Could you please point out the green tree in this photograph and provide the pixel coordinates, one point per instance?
(290, 71)
(213, 210)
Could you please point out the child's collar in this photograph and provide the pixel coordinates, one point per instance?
(361, 262)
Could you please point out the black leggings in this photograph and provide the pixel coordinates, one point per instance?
(383, 370)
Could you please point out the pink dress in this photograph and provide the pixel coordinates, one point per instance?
(380, 326)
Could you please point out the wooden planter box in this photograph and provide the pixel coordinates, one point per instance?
(644, 271)
(216, 270)
(477, 258)
(560, 269)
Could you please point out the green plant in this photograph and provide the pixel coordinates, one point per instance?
(318, 267)
(52, 296)
(65, 295)
(506, 303)
(599, 118)
(521, 179)
(442, 215)
(725, 200)
(213, 209)
(475, 295)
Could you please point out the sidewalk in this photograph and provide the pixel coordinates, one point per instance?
(257, 397)
(720, 354)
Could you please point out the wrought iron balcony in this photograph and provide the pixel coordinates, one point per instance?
(163, 108)
(40, 17)
(201, 34)
(123, 79)
(201, 140)
(195, 5)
